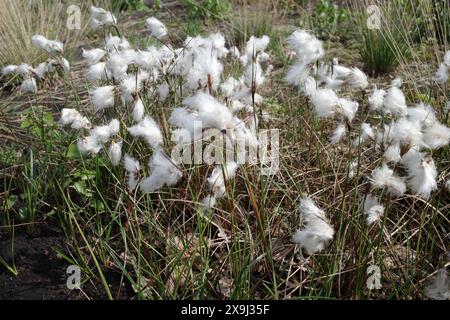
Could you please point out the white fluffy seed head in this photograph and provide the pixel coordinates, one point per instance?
(156, 27)
(376, 99)
(347, 108)
(325, 102)
(98, 72)
(73, 118)
(211, 112)
(441, 75)
(29, 85)
(138, 110)
(357, 79)
(149, 130)
(384, 177)
(132, 167)
(51, 46)
(102, 97)
(217, 179)
(115, 152)
(101, 18)
(163, 172)
(436, 136)
(395, 102)
(93, 56)
(373, 209)
(316, 231)
(338, 133)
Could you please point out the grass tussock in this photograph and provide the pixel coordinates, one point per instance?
(20, 20)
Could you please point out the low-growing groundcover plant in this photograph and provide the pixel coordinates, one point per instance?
(170, 178)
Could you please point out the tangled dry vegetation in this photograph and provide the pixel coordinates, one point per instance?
(356, 208)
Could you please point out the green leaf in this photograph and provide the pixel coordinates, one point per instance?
(80, 187)
(10, 201)
(72, 151)
(47, 118)
(23, 213)
(26, 123)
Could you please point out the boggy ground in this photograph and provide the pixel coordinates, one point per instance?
(41, 274)
(41, 271)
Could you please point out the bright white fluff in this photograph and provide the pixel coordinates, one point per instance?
(149, 130)
(422, 173)
(103, 133)
(129, 87)
(307, 47)
(114, 43)
(325, 102)
(334, 84)
(138, 110)
(441, 75)
(347, 108)
(101, 18)
(98, 136)
(376, 99)
(9, 69)
(338, 133)
(436, 136)
(90, 144)
(73, 118)
(41, 70)
(408, 132)
(157, 28)
(163, 92)
(102, 97)
(357, 79)
(29, 85)
(115, 152)
(393, 153)
(118, 66)
(98, 71)
(395, 102)
(372, 209)
(163, 172)
(316, 231)
(64, 63)
(211, 112)
(235, 52)
(340, 72)
(93, 56)
(23, 69)
(217, 180)
(253, 75)
(298, 74)
(186, 120)
(255, 46)
(132, 167)
(384, 177)
(366, 133)
(422, 113)
(228, 87)
(51, 46)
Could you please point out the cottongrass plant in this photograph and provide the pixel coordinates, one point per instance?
(30, 75)
(123, 76)
(405, 139)
(150, 106)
